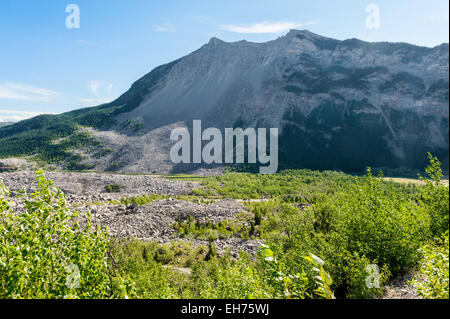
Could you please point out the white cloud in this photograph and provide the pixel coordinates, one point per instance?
(102, 91)
(7, 115)
(94, 101)
(265, 27)
(13, 118)
(99, 87)
(24, 96)
(95, 85)
(109, 88)
(14, 91)
(167, 27)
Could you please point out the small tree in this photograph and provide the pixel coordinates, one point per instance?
(435, 196)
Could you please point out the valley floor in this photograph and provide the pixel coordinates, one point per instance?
(235, 213)
(86, 193)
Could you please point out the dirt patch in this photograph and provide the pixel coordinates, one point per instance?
(398, 288)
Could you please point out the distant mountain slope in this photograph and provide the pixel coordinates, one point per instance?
(5, 123)
(338, 105)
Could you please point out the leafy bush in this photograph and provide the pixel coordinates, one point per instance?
(433, 282)
(303, 185)
(113, 188)
(45, 253)
(228, 278)
(207, 230)
(148, 265)
(382, 224)
(435, 197)
(369, 222)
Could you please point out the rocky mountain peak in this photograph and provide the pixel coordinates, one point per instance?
(216, 41)
(337, 104)
(303, 33)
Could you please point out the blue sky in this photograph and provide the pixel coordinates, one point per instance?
(47, 68)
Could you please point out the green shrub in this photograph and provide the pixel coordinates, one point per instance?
(147, 264)
(45, 253)
(433, 282)
(435, 197)
(113, 188)
(228, 278)
(382, 224)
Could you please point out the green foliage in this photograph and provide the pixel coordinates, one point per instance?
(45, 253)
(323, 279)
(433, 282)
(113, 188)
(212, 251)
(38, 135)
(366, 222)
(228, 278)
(306, 185)
(382, 224)
(147, 199)
(150, 266)
(196, 229)
(50, 138)
(284, 285)
(365, 228)
(435, 197)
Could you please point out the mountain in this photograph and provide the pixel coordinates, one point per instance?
(338, 105)
(5, 123)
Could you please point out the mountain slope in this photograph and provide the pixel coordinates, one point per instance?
(338, 105)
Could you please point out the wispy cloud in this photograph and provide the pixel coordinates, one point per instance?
(167, 27)
(265, 27)
(7, 115)
(17, 97)
(95, 86)
(14, 91)
(101, 90)
(100, 87)
(94, 101)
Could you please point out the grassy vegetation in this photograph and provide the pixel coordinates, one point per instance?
(186, 177)
(301, 186)
(147, 199)
(323, 234)
(113, 188)
(196, 229)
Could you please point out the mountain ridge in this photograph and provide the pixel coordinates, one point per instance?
(360, 103)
